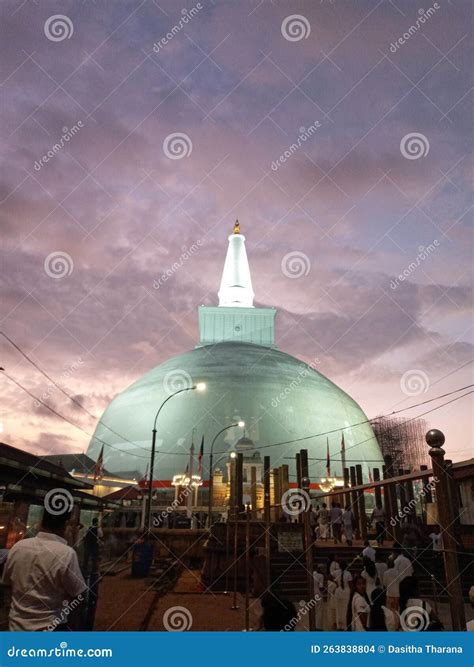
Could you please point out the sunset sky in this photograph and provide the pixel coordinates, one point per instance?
(329, 230)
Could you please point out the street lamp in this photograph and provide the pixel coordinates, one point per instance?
(240, 424)
(200, 386)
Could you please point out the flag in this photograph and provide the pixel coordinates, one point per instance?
(201, 454)
(328, 460)
(371, 479)
(99, 465)
(343, 454)
(145, 476)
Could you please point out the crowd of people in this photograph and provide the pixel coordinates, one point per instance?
(372, 599)
(335, 523)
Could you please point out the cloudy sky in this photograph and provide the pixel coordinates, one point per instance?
(156, 143)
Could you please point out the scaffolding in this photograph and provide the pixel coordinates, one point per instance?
(403, 440)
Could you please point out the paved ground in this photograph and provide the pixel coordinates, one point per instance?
(125, 603)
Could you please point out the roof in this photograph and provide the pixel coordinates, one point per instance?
(22, 460)
(127, 493)
(74, 462)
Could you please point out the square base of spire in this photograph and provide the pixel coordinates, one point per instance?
(218, 324)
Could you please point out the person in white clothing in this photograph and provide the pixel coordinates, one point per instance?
(318, 578)
(323, 522)
(436, 540)
(382, 618)
(342, 595)
(370, 575)
(348, 524)
(358, 607)
(43, 571)
(381, 567)
(368, 551)
(404, 566)
(410, 600)
(334, 567)
(390, 582)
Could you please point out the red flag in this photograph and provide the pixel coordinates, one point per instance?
(200, 455)
(99, 465)
(328, 459)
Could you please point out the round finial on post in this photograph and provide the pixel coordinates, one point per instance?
(435, 438)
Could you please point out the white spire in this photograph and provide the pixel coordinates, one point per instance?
(236, 285)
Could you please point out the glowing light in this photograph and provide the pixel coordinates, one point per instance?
(233, 455)
(241, 424)
(201, 386)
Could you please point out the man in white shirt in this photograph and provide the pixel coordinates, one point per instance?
(43, 573)
(436, 540)
(403, 566)
(335, 514)
(390, 581)
(368, 551)
(378, 518)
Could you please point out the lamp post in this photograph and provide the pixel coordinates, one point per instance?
(200, 386)
(241, 424)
